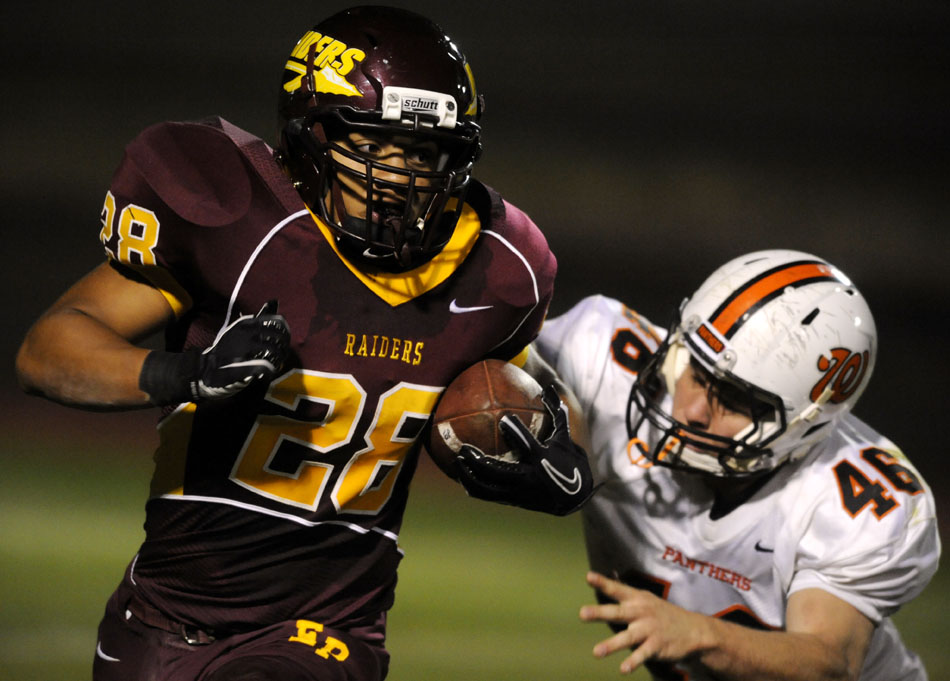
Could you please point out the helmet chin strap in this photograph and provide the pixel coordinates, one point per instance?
(811, 412)
(703, 462)
(675, 362)
(400, 244)
(805, 419)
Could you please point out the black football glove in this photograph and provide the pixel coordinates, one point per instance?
(551, 476)
(250, 349)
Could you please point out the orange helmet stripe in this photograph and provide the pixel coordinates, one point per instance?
(756, 292)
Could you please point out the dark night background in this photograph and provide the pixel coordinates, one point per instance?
(651, 141)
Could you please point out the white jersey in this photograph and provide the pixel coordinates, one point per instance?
(852, 517)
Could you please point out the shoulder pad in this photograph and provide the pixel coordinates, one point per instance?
(487, 203)
(196, 169)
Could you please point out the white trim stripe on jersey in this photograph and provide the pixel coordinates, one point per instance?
(250, 261)
(534, 281)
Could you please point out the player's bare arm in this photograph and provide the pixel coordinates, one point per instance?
(82, 350)
(825, 639)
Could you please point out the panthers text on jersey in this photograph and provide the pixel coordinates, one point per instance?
(286, 501)
(852, 517)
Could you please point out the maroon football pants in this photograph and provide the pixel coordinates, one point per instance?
(129, 649)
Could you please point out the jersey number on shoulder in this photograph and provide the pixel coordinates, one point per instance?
(631, 347)
(859, 492)
(294, 475)
(136, 232)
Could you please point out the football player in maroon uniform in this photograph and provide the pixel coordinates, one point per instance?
(315, 300)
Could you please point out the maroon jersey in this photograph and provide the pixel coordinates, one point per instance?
(286, 501)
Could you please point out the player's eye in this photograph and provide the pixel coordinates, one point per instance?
(733, 406)
(699, 376)
(368, 148)
(422, 156)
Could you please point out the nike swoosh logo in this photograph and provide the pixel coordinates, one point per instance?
(457, 309)
(368, 253)
(107, 658)
(570, 485)
(763, 549)
(265, 363)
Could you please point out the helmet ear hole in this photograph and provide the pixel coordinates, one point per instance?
(810, 317)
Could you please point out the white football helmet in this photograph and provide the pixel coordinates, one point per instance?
(785, 329)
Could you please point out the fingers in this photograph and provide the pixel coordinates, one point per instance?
(609, 612)
(520, 437)
(653, 628)
(249, 350)
(631, 637)
(620, 595)
(477, 484)
(635, 659)
(266, 336)
(552, 400)
(274, 340)
(478, 489)
(480, 468)
(613, 588)
(625, 640)
(517, 435)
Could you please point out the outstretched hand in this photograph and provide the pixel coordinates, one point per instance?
(656, 629)
(551, 476)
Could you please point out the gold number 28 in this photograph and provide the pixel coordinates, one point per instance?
(365, 482)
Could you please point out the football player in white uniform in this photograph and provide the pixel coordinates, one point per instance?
(747, 525)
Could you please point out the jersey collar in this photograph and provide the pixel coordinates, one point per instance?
(397, 288)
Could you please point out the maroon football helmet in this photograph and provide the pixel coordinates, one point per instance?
(380, 72)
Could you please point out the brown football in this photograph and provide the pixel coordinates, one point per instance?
(472, 405)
